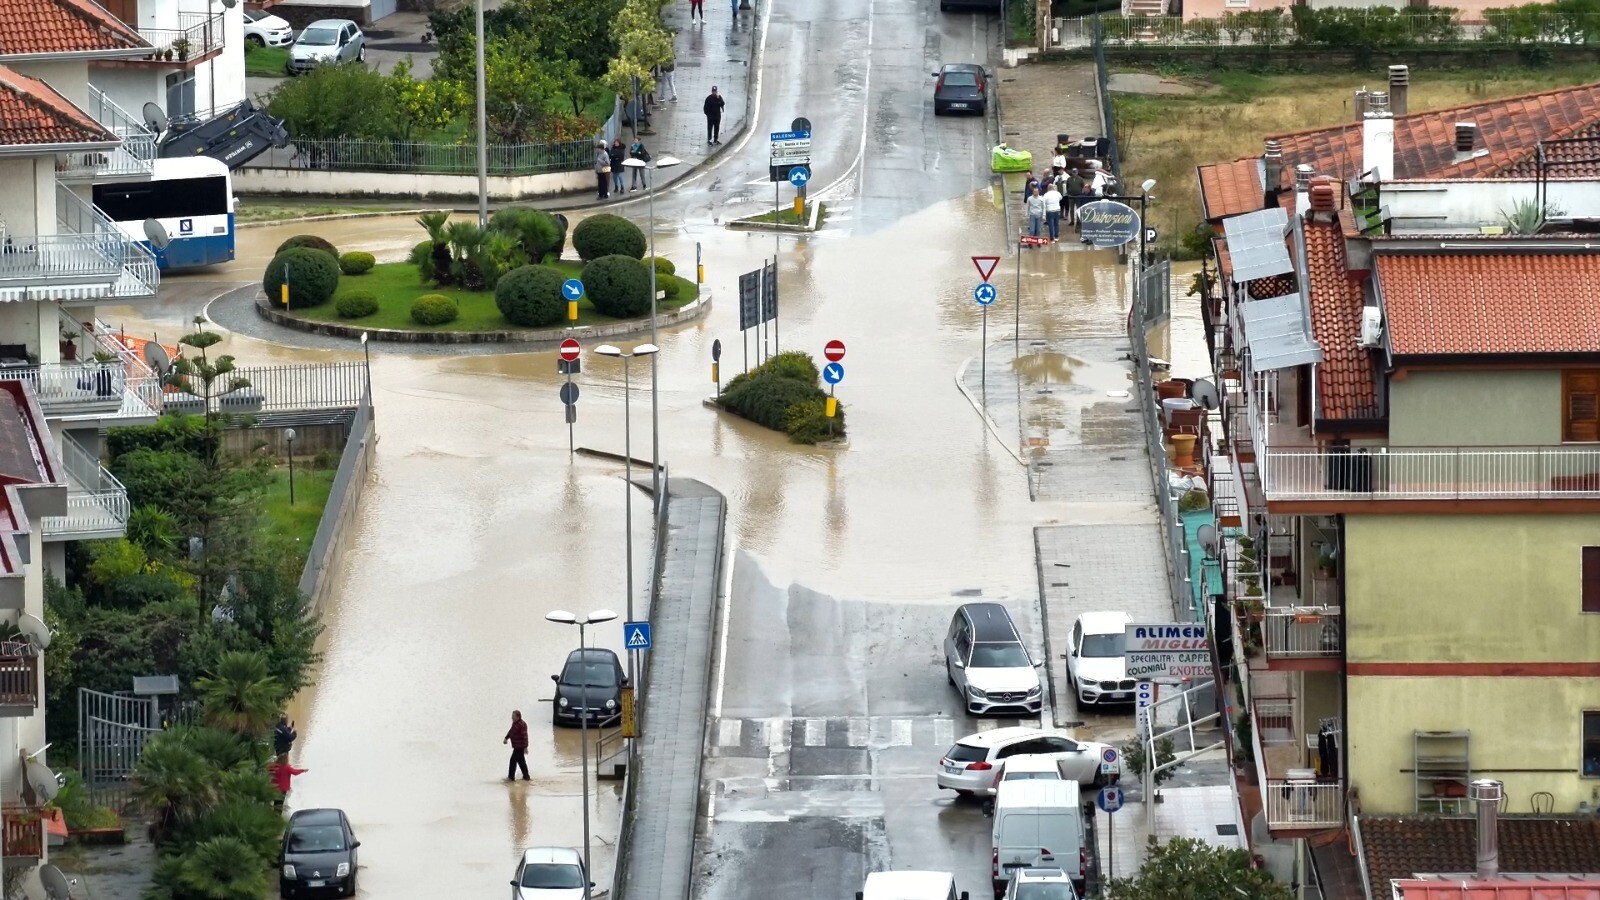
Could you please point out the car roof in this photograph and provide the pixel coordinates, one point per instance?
(561, 855)
(316, 817)
(592, 654)
(991, 623)
(1043, 873)
(965, 67)
(1038, 762)
(1032, 792)
(1001, 736)
(908, 884)
(331, 23)
(1105, 622)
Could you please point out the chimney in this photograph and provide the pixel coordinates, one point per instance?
(1399, 86)
(1360, 104)
(1302, 188)
(1322, 198)
(1466, 139)
(1377, 137)
(1487, 793)
(1272, 161)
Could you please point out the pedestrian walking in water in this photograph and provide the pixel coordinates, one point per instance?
(281, 774)
(619, 175)
(736, 10)
(602, 169)
(1035, 211)
(697, 8)
(713, 109)
(517, 737)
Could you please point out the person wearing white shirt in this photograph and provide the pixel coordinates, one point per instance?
(1059, 163)
(1035, 211)
(1052, 212)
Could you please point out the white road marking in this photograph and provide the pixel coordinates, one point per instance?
(944, 732)
(880, 732)
(728, 732)
(816, 732)
(987, 724)
(856, 732)
(901, 733)
(722, 641)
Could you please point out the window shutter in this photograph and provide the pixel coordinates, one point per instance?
(1581, 407)
(1591, 579)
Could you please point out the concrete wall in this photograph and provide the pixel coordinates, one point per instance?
(1471, 10)
(131, 87)
(343, 501)
(19, 198)
(1421, 205)
(321, 183)
(1446, 409)
(70, 78)
(309, 440)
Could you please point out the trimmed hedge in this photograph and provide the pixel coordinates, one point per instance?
(783, 394)
(608, 235)
(313, 277)
(434, 309)
(663, 265)
(530, 296)
(617, 286)
(313, 241)
(535, 230)
(355, 304)
(357, 263)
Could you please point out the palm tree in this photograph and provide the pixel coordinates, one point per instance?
(240, 696)
(223, 751)
(257, 825)
(434, 224)
(466, 243)
(222, 868)
(172, 782)
(501, 254)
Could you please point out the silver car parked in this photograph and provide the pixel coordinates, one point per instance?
(326, 42)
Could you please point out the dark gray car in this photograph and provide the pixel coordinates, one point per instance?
(962, 87)
(319, 855)
(589, 687)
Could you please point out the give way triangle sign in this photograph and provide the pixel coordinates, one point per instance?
(985, 265)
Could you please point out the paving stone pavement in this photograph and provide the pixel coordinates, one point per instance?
(660, 824)
(1037, 102)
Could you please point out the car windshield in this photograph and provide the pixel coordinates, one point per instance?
(593, 674)
(999, 656)
(960, 79)
(316, 839)
(319, 37)
(1103, 645)
(551, 876)
(966, 753)
(1044, 890)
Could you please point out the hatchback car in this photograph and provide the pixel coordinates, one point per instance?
(1095, 662)
(985, 660)
(1041, 884)
(319, 855)
(962, 87)
(326, 42)
(263, 29)
(968, 767)
(589, 687)
(550, 873)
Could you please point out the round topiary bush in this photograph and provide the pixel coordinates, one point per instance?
(530, 296)
(355, 304)
(356, 263)
(313, 276)
(607, 235)
(313, 241)
(434, 309)
(671, 285)
(618, 286)
(663, 266)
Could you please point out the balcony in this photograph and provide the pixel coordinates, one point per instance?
(89, 259)
(97, 503)
(197, 38)
(1295, 798)
(1293, 632)
(131, 160)
(19, 679)
(23, 834)
(1431, 473)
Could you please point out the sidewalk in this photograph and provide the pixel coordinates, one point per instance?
(1037, 102)
(658, 844)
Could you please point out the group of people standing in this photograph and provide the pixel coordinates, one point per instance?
(610, 171)
(1057, 194)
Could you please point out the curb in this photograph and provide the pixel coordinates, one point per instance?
(692, 311)
(333, 218)
(813, 225)
(961, 384)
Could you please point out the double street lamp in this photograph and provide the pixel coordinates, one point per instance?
(664, 162)
(627, 456)
(595, 618)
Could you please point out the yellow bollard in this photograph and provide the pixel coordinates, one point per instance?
(799, 207)
(833, 407)
(572, 310)
(283, 289)
(700, 274)
(715, 374)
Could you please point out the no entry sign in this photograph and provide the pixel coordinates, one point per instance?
(834, 351)
(569, 349)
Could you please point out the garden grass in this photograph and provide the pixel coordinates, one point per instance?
(259, 212)
(1165, 137)
(396, 285)
(266, 62)
(786, 216)
(297, 523)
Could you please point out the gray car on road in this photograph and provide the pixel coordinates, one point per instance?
(326, 42)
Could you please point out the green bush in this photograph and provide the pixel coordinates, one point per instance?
(313, 277)
(783, 394)
(794, 364)
(807, 422)
(617, 286)
(663, 266)
(765, 398)
(356, 263)
(608, 235)
(422, 257)
(535, 230)
(565, 227)
(434, 309)
(313, 241)
(531, 296)
(672, 285)
(355, 304)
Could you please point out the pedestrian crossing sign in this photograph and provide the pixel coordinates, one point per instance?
(636, 636)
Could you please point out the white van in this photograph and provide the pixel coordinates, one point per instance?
(909, 885)
(1038, 823)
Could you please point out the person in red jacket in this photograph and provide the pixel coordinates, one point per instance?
(281, 773)
(517, 737)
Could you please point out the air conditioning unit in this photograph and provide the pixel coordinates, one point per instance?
(1371, 327)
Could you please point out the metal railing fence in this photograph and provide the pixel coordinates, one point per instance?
(354, 155)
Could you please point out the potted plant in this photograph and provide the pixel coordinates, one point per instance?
(69, 347)
(1325, 565)
(181, 47)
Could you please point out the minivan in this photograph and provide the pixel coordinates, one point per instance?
(1038, 823)
(910, 885)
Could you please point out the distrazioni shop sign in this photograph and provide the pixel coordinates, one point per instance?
(1107, 223)
(1169, 650)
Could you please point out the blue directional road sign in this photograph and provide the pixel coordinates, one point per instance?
(984, 293)
(791, 135)
(1109, 799)
(799, 175)
(636, 636)
(833, 373)
(572, 289)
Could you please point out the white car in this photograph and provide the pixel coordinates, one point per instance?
(1041, 884)
(985, 662)
(969, 767)
(263, 29)
(550, 873)
(1095, 663)
(326, 42)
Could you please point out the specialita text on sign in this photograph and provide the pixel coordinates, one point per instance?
(1189, 664)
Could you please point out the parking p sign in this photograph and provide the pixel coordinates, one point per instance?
(1109, 799)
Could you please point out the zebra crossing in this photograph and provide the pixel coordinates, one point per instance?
(770, 735)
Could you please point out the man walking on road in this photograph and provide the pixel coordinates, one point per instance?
(517, 737)
(713, 107)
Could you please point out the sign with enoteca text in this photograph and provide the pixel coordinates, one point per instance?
(1148, 666)
(1107, 223)
(1167, 650)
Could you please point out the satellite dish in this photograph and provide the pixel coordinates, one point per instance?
(1204, 393)
(154, 118)
(230, 4)
(157, 233)
(156, 356)
(55, 884)
(1207, 536)
(37, 632)
(43, 781)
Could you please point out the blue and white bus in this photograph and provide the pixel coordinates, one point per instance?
(191, 197)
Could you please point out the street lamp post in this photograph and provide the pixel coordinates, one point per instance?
(655, 415)
(483, 129)
(288, 435)
(627, 456)
(367, 356)
(594, 618)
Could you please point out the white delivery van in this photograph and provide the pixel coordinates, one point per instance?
(1038, 823)
(910, 885)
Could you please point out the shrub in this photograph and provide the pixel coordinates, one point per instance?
(617, 286)
(672, 285)
(422, 257)
(531, 296)
(313, 241)
(793, 364)
(535, 230)
(356, 263)
(355, 304)
(434, 309)
(564, 227)
(807, 422)
(783, 394)
(765, 398)
(313, 277)
(607, 235)
(663, 266)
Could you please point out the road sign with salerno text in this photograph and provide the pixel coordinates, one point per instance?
(985, 265)
(569, 349)
(791, 136)
(833, 351)
(636, 636)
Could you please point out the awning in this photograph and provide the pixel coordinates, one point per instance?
(1276, 333)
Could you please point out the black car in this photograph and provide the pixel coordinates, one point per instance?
(591, 681)
(961, 87)
(319, 855)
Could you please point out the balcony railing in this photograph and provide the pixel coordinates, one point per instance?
(294, 388)
(1432, 473)
(132, 159)
(137, 263)
(22, 833)
(1292, 803)
(19, 678)
(196, 36)
(97, 503)
(1301, 631)
(73, 388)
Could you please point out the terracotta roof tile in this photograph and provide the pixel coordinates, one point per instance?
(32, 113)
(1489, 303)
(1576, 157)
(62, 26)
(1347, 380)
(1500, 889)
(1403, 847)
(1228, 189)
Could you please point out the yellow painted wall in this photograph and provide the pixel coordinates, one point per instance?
(1446, 409)
(1516, 723)
(1467, 588)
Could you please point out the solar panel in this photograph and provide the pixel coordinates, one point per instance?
(1255, 243)
(1276, 333)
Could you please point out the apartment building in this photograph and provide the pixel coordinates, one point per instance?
(1406, 334)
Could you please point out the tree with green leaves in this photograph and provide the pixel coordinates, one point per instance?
(425, 106)
(240, 695)
(1188, 869)
(343, 101)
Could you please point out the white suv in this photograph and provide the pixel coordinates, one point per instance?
(1041, 884)
(1095, 663)
(985, 660)
(969, 767)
